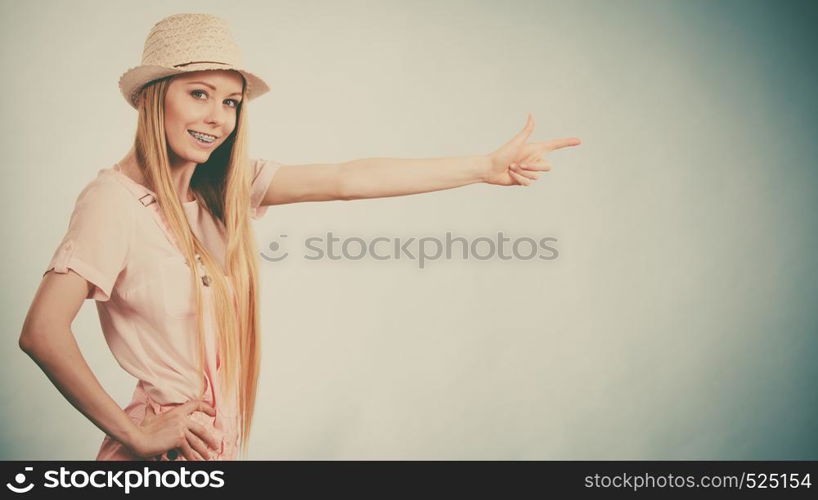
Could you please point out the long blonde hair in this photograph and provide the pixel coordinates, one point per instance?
(222, 185)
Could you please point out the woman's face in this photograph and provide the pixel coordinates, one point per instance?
(200, 102)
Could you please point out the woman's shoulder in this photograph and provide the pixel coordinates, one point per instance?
(257, 165)
(106, 192)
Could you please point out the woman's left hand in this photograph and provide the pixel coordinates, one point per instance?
(519, 163)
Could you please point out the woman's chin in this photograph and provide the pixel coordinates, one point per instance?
(195, 157)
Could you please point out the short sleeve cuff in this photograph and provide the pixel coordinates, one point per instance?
(65, 260)
(265, 170)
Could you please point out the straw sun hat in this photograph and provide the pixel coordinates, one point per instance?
(187, 42)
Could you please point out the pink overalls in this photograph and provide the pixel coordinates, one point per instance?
(118, 241)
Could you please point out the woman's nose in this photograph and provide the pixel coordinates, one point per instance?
(216, 115)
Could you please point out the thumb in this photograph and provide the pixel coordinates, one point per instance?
(524, 134)
(199, 405)
(187, 407)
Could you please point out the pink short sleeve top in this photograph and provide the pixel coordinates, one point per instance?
(117, 241)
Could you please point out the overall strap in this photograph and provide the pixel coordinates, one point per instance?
(148, 200)
(140, 192)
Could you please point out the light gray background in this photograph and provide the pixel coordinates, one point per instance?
(678, 321)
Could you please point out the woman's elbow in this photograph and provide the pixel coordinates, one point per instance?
(35, 333)
(27, 340)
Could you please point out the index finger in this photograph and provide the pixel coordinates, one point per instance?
(202, 433)
(560, 143)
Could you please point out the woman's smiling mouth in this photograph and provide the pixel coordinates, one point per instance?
(205, 140)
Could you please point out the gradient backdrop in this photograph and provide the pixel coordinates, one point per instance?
(678, 321)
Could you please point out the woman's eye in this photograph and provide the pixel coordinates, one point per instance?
(234, 101)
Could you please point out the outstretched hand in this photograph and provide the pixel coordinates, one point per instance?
(518, 163)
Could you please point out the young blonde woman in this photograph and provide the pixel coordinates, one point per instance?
(162, 242)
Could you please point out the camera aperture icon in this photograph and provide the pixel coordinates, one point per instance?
(20, 478)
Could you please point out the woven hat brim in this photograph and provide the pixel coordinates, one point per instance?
(132, 81)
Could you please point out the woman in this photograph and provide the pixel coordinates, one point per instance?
(180, 201)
